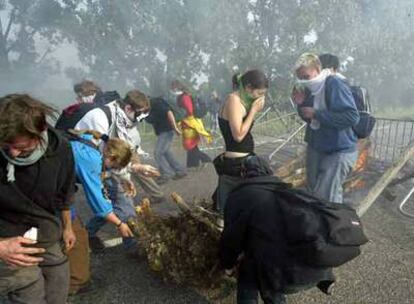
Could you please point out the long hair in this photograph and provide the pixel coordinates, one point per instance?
(23, 115)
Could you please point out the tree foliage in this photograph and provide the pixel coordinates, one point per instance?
(147, 43)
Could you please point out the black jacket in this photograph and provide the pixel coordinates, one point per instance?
(40, 191)
(253, 225)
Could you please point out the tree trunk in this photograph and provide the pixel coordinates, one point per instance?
(4, 57)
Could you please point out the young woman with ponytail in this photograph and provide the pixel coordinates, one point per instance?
(236, 119)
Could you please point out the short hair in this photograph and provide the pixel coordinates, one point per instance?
(136, 99)
(77, 88)
(88, 87)
(119, 151)
(22, 115)
(177, 84)
(329, 61)
(308, 60)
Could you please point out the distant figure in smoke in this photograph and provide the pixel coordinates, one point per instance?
(192, 127)
(236, 119)
(330, 111)
(86, 91)
(331, 62)
(161, 117)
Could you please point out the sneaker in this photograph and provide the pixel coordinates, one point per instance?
(96, 244)
(179, 175)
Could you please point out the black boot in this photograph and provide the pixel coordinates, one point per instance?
(326, 287)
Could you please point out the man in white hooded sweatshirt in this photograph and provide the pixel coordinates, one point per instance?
(326, 103)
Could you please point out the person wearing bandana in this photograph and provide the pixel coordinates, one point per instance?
(37, 182)
(236, 119)
(125, 114)
(326, 103)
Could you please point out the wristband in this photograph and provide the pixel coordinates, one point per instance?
(119, 225)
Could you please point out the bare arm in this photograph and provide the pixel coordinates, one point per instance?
(68, 235)
(171, 120)
(235, 112)
(122, 227)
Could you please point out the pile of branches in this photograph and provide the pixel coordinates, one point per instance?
(182, 248)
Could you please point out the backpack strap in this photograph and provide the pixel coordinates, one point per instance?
(108, 114)
(327, 100)
(74, 137)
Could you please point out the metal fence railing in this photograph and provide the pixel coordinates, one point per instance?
(390, 139)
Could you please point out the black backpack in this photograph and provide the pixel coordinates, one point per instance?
(366, 121)
(103, 98)
(200, 107)
(74, 113)
(320, 233)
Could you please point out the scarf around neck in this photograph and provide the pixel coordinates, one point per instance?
(121, 123)
(317, 88)
(25, 161)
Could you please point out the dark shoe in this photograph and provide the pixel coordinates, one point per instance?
(87, 287)
(326, 287)
(96, 244)
(179, 176)
(162, 180)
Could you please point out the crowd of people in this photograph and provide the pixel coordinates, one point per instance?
(44, 247)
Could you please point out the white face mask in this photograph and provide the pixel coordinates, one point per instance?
(177, 93)
(88, 99)
(316, 84)
(133, 117)
(141, 116)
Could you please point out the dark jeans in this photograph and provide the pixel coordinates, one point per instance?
(248, 288)
(123, 207)
(195, 157)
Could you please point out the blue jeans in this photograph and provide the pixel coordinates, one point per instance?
(164, 157)
(123, 207)
(326, 173)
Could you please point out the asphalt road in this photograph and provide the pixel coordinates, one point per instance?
(382, 274)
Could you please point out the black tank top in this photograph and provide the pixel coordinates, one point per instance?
(245, 146)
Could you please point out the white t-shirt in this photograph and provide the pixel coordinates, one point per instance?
(95, 119)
